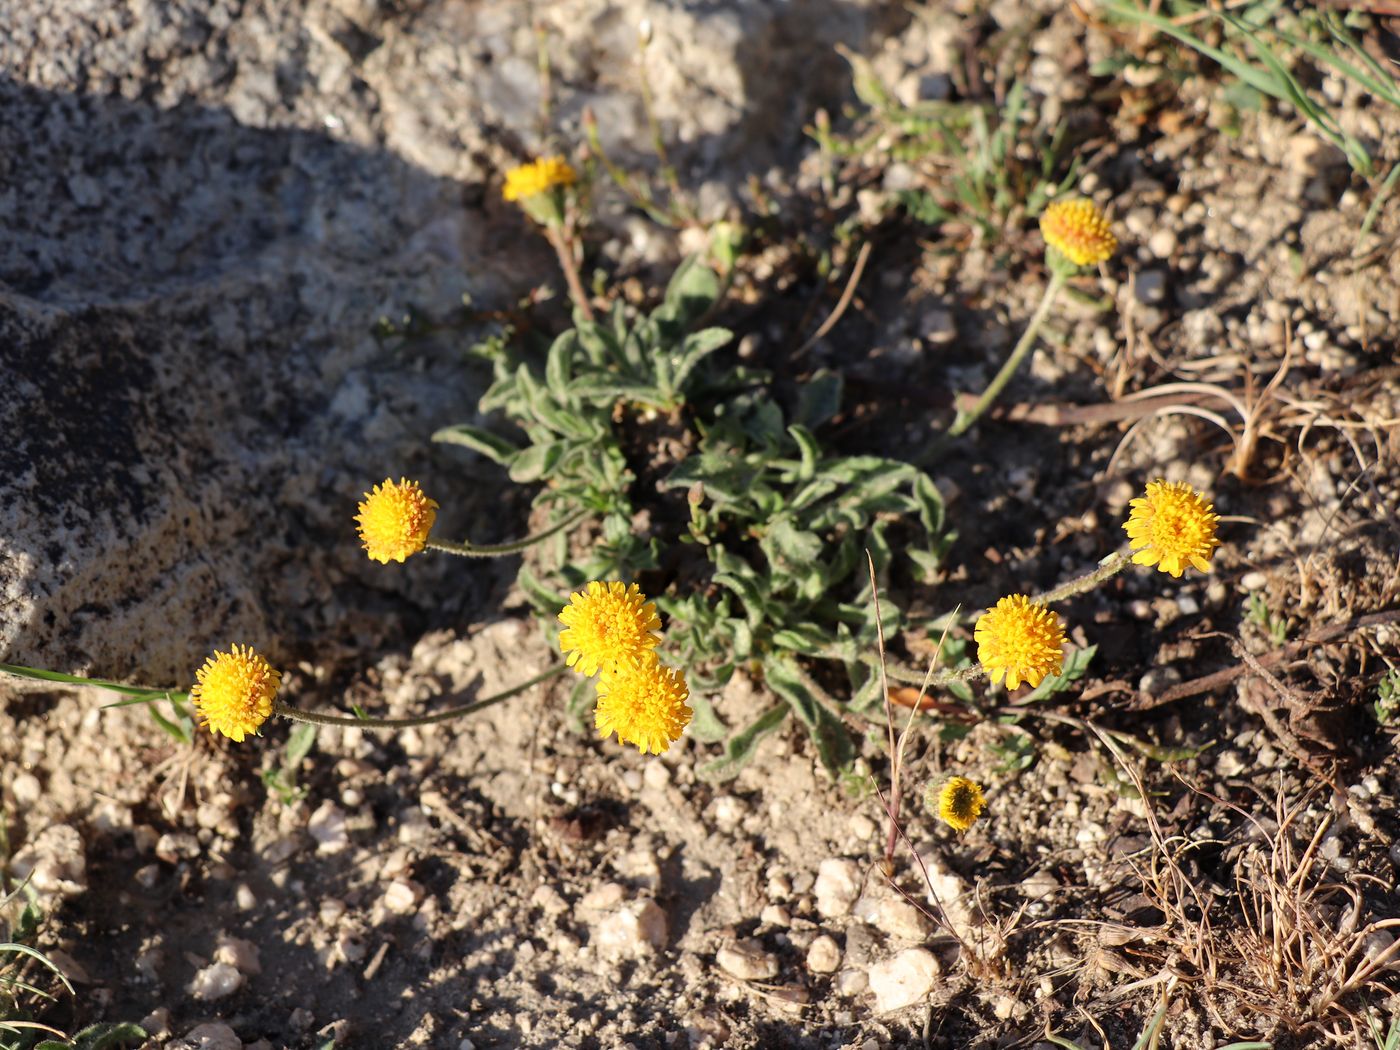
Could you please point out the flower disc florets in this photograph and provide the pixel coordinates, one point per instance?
(1020, 640)
(958, 803)
(395, 520)
(1078, 231)
(644, 703)
(1174, 527)
(233, 692)
(537, 177)
(608, 625)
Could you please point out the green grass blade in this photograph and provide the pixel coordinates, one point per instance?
(39, 674)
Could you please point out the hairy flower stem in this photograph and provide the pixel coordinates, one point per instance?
(296, 714)
(498, 550)
(1023, 347)
(564, 249)
(1110, 566)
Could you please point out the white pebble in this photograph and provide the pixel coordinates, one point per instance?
(903, 980)
(837, 886)
(240, 954)
(26, 790)
(327, 827)
(215, 982)
(636, 930)
(54, 863)
(824, 955)
(402, 896)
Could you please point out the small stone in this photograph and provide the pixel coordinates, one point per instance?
(728, 811)
(1150, 287)
(549, 900)
(216, 982)
(605, 897)
(639, 929)
(824, 955)
(656, 776)
(775, 915)
(903, 980)
(147, 876)
(1162, 243)
(240, 954)
(1229, 764)
(1158, 680)
(402, 896)
(26, 790)
(1253, 581)
(938, 326)
(327, 827)
(174, 847)
(212, 1036)
(837, 886)
(301, 1019)
(157, 1023)
(852, 982)
(862, 827)
(747, 960)
(894, 916)
(54, 863)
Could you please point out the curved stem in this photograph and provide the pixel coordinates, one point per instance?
(497, 550)
(1023, 347)
(316, 718)
(1110, 566)
(563, 248)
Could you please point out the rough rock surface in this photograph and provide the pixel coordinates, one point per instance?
(208, 204)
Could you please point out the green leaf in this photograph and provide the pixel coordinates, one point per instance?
(1075, 667)
(490, 445)
(834, 745)
(542, 597)
(694, 350)
(537, 462)
(930, 503)
(741, 747)
(108, 1036)
(692, 290)
(178, 730)
(811, 451)
(299, 744)
(807, 639)
(558, 370)
(706, 726)
(752, 599)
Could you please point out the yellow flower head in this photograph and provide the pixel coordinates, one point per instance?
(1020, 640)
(958, 803)
(233, 692)
(1078, 231)
(536, 177)
(1174, 527)
(610, 624)
(644, 703)
(395, 520)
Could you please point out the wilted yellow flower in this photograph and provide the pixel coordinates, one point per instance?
(1174, 527)
(612, 623)
(644, 703)
(233, 692)
(1020, 640)
(537, 177)
(958, 803)
(1078, 231)
(395, 520)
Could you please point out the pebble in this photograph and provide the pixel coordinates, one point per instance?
(775, 915)
(1229, 764)
(402, 896)
(176, 846)
(1253, 581)
(1162, 244)
(938, 326)
(656, 775)
(727, 812)
(604, 897)
(903, 980)
(216, 981)
(1150, 287)
(638, 929)
(852, 982)
(147, 876)
(747, 961)
(327, 827)
(212, 1036)
(26, 790)
(240, 954)
(837, 886)
(548, 899)
(824, 955)
(54, 863)
(1158, 680)
(157, 1023)
(894, 916)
